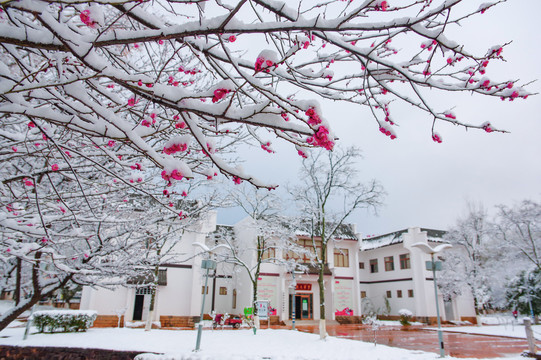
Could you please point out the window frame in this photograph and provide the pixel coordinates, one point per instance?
(269, 253)
(307, 244)
(373, 266)
(341, 257)
(389, 263)
(405, 261)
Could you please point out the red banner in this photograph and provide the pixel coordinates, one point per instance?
(303, 287)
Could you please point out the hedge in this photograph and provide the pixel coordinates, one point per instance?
(63, 320)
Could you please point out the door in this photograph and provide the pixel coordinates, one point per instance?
(138, 307)
(303, 307)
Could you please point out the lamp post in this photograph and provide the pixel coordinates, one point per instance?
(207, 265)
(434, 265)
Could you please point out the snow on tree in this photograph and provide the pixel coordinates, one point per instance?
(468, 263)
(159, 235)
(174, 83)
(524, 292)
(101, 99)
(273, 235)
(519, 232)
(329, 177)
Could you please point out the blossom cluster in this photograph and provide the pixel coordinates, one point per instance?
(86, 18)
(219, 94)
(175, 174)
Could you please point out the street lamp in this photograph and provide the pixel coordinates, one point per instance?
(434, 265)
(208, 265)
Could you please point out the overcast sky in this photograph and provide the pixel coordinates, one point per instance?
(427, 183)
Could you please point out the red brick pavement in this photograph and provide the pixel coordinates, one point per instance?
(414, 338)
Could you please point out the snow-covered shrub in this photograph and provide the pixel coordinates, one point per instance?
(63, 320)
(405, 317)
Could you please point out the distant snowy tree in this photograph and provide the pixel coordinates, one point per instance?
(466, 264)
(274, 235)
(524, 292)
(331, 177)
(519, 232)
(159, 235)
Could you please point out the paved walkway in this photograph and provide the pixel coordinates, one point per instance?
(415, 338)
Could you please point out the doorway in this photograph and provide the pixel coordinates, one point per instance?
(138, 307)
(142, 303)
(449, 311)
(303, 307)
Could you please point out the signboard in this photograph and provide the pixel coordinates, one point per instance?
(303, 287)
(437, 267)
(262, 307)
(343, 295)
(267, 289)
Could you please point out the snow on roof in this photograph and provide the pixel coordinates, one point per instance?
(344, 231)
(397, 237)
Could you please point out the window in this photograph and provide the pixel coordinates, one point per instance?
(361, 266)
(389, 294)
(203, 289)
(405, 261)
(398, 293)
(389, 263)
(341, 258)
(223, 290)
(374, 265)
(269, 253)
(410, 293)
(234, 298)
(363, 294)
(308, 244)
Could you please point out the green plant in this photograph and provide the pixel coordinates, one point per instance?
(66, 320)
(405, 317)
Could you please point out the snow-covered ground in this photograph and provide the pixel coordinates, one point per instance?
(228, 345)
(243, 344)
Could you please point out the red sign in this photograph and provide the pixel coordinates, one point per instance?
(303, 287)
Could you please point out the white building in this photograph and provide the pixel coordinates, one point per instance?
(275, 280)
(358, 276)
(393, 277)
(178, 295)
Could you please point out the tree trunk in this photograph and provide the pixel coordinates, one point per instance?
(18, 272)
(321, 283)
(13, 313)
(322, 321)
(254, 309)
(150, 317)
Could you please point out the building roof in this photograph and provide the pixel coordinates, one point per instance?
(344, 231)
(397, 237)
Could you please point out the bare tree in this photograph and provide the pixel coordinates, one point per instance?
(274, 235)
(469, 263)
(331, 177)
(519, 231)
